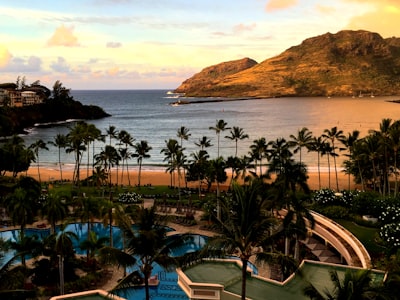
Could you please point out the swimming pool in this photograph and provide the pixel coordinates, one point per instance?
(168, 286)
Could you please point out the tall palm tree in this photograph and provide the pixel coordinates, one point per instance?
(142, 150)
(384, 141)
(246, 226)
(218, 128)
(127, 140)
(180, 160)
(327, 150)
(112, 133)
(170, 151)
(394, 144)
(91, 135)
(237, 134)
(36, 146)
(64, 248)
(108, 158)
(334, 135)
(55, 210)
(259, 151)
(76, 145)
(60, 141)
(317, 146)
(197, 167)
(302, 140)
(183, 134)
(349, 143)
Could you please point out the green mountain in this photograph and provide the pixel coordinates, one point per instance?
(343, 64)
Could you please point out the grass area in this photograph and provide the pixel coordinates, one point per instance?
(367, 235)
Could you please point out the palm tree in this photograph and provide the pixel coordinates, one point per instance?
(326, 149)
(237, 134)
(218, 128)
(64, 248)
(127, 140)
(76, 144)
(258, 151)
(149, 244)
(112, 132)
(22, 203)
(302, 140)
(349, 143)
(356, 284)
(180, 160)
(317, 146)
(108, 158)
(92, 133)
(25, 245)
(170, 151)
(395, 146)
(384, 141)
(92, 245)
(183, 134)
(141, 152)
(197, 167)
(333, 135)
(36, 146)
(60, 141)
(203, 143)
(246, 226)
(55, 210)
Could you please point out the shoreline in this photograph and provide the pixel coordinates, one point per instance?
(157, 176)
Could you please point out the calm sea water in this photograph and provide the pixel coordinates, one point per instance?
(147, 115)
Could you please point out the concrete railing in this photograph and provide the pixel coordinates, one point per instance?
(322, 224)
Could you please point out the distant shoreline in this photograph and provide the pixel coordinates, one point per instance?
(213, 100)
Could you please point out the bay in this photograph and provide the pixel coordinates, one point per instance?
(147, 115)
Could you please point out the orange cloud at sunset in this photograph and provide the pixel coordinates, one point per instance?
(5, 56)
(63, 36)
(280, 4)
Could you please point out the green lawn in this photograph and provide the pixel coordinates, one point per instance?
(366, 235)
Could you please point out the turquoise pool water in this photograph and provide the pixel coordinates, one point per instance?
(168, 287)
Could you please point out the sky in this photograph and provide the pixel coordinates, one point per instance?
(157, 44)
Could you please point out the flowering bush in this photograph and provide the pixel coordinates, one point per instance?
(330, 197)
(390, 233)
(391, 214)
(130, 198)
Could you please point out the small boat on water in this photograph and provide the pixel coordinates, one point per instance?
(179, 102)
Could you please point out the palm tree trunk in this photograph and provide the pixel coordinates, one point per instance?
(59, 163)
(336, 175)
(319, 170)
(244, 278)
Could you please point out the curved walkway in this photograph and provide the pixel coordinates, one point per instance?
(349, 247)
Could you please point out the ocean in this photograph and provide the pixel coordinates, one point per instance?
(148, 115)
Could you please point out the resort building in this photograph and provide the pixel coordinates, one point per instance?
(15, 98)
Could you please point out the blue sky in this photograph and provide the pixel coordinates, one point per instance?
(142, 44)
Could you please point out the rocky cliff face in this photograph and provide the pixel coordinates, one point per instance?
(346, 63)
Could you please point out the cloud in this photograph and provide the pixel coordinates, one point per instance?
(63, 36)
(60, 65)
(280, 4)
(383, 18)
(114, 45)
(242, 27)
(5, 56)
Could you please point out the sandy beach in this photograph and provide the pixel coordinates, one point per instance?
(158, 177)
